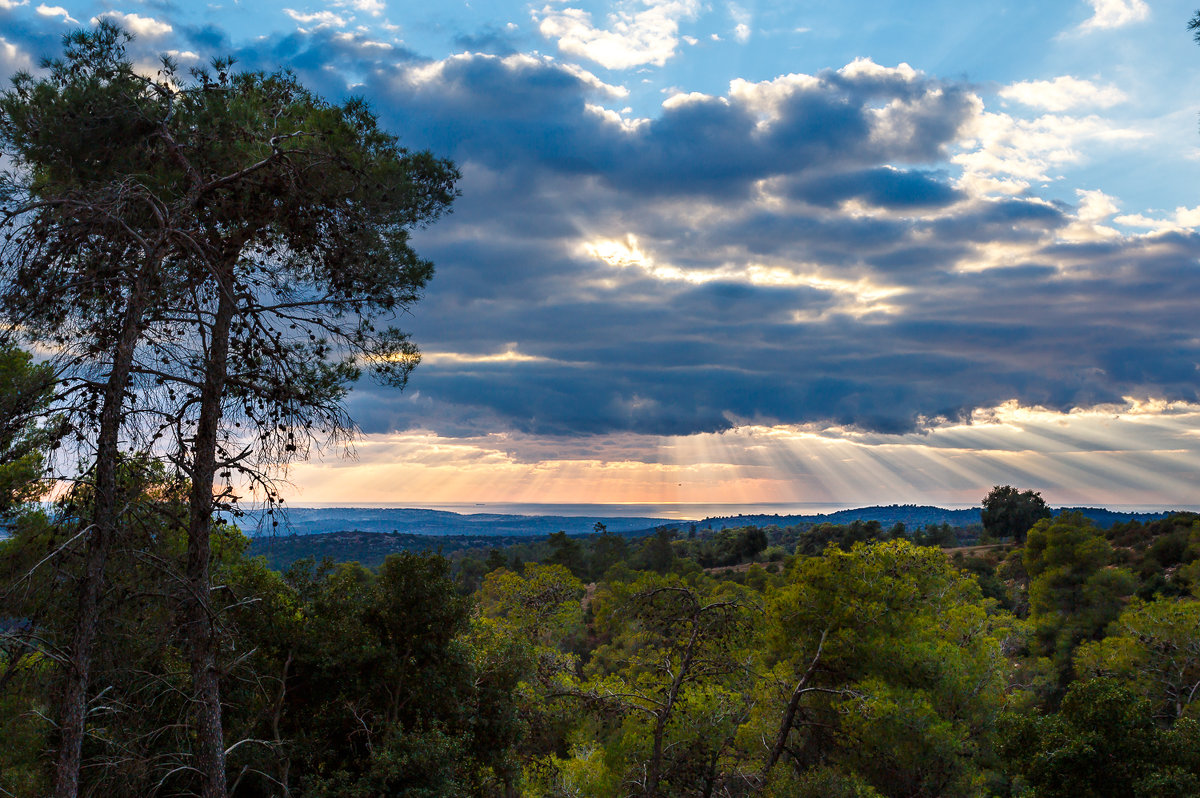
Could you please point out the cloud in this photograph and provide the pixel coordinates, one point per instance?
(1109, 14)
(1063, 93)
(55, 11)
(322, 19)
(139, 25)
(373, 7)
(13, 58)
(1004, 154)
(632, 38)
(1182, 219)
(742, 18)
(813, 251)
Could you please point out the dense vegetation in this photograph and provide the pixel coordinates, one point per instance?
(850, 662)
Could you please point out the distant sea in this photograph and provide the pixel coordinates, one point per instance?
(665, 511)
(672, 512)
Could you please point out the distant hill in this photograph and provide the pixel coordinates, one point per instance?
(318, 520)
(914, 516)
(368, 535)
(305, 521)
(911, 515)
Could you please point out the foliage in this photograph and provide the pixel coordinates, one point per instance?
(886, 662)
(1009, 513)
(1102, 743)
(1073, 592)
(1153, 649)
(666, 689)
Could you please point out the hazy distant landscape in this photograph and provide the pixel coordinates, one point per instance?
(411, 521)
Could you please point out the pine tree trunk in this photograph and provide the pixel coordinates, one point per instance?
(74, 697)
(199, 613)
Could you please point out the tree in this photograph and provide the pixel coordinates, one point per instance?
(83, 255)
(1009, 513)
(1074, 592)
(566, 551)
(1153, 649)
(669, 684)
(525, 639)
(657, 552)
(25, 393)
(607, 549)
(883, 663)
(1102, 743)
(266, 237)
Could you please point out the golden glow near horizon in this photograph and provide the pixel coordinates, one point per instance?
(1140, 452)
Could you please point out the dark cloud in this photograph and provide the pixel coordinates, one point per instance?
(881, 187)
(791, 253)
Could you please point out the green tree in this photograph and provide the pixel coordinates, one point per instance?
(1103, 743)
(1074, 593)
(529, 632)
(566, 551)
(84, 250)
(1009, 513)
(25, 394)
(885, 664)
(657, 552)
(1153, 649)
(368, 686)
(667, 689)
(607, 549)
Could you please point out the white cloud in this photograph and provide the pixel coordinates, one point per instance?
(1182, 219)
(1003, 154)
(632, 38)
(1095, 208)
(1062, 93)
(9, 5)
(509, 355)
(1108, 14)
(55, 11)
(866, 68)
(13, 58)
(373, 7)
(741, 16)
(142, 26)
(322, 19)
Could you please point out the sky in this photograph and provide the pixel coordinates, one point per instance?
(763, 252)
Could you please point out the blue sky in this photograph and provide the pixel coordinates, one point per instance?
(765, 252)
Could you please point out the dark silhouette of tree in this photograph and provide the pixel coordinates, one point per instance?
(1009, 513)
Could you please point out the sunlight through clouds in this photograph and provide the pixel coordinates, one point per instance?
(1141, 452)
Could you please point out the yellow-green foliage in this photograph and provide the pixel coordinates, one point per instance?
(1153, 648)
